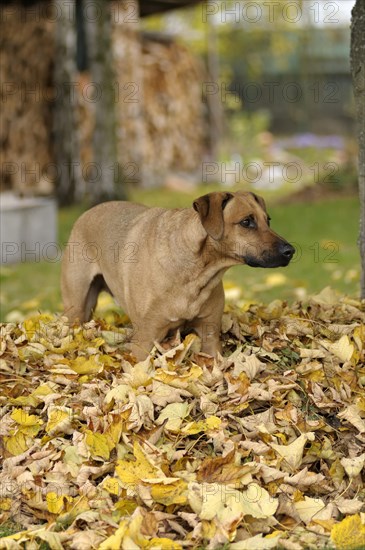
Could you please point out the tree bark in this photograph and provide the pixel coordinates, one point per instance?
(358, 75)
(108, 181)
(65, 140)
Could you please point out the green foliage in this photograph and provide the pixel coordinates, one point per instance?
(243, 46)
(9, 528)
(245, 125)
(243, 131)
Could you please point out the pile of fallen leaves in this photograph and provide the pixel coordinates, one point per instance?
(262, 448)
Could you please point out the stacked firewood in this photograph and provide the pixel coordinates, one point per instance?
(174, 109)
(160, 113)
(27, 96)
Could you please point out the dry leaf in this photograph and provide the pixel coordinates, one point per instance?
(182, 450)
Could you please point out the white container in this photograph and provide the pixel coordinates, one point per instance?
(28, 229)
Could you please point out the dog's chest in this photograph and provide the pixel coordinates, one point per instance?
(189, 303)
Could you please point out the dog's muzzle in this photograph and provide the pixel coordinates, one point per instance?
(281, 258)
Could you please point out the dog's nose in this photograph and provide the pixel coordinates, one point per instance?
(287, 250)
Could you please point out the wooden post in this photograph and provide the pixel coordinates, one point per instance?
(130, 102)
(108, 182)
(358, 75)
(66, 148)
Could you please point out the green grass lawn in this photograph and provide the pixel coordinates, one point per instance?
(325, 234)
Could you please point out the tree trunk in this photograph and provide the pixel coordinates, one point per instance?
(108, 180)
(66, 150)
(358, 75)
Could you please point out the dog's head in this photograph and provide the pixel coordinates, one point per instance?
(239, 227)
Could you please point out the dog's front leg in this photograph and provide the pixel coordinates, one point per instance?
(208, 324)
(143, 339)
(208, 330)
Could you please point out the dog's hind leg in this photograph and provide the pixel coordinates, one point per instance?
(80, 285)
(80, 300)
(98, 284)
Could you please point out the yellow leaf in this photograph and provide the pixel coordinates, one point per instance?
(141, 374)
(98, 445)
(24, 419)
(349, 534)
(209, 529)
(276, 279)
(32, 351)
(133, 538)
(114, 432)
(176, 381)
(97, 342)
(16, 444)
(211, 423)
(359, 337)
(77, 506)
(172, 493)
(114, 542)
(21, 536)
(56, 503)
(111, 485)
(84, 365)
(42, 391)
(33, 325)
(327, 524)
(5, 504)
(162, 544)
(24, 401)
(125, 507)
(59, 421)
(131, 473)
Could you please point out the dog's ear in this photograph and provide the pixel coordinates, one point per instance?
(260, 201)
(210, 209)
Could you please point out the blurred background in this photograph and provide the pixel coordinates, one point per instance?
(160, 101)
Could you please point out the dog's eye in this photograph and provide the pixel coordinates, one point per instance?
(248, 222)
(268, 221)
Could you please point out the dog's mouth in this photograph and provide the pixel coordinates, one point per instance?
(281, 259)
(267, 263)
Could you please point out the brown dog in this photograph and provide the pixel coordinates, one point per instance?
(165, 267)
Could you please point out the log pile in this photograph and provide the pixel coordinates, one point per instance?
(160, 111)
(162, 127)
(26, 45)
(174, 111)
(161, 119)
